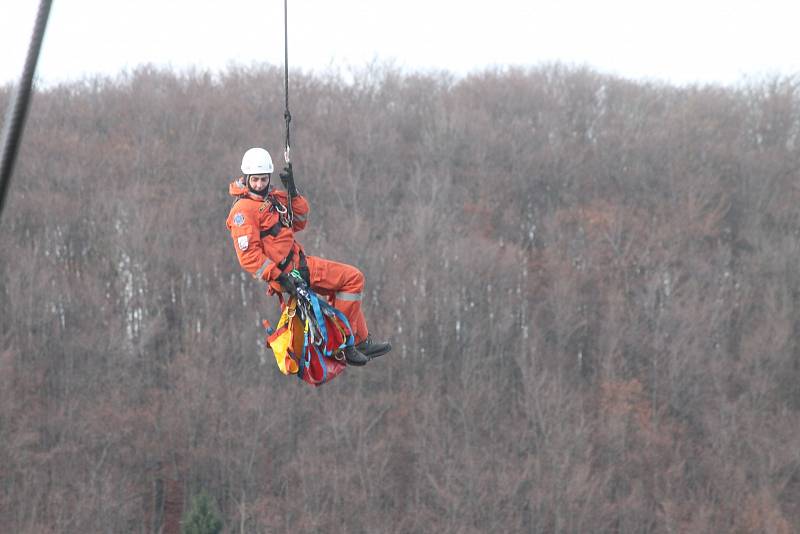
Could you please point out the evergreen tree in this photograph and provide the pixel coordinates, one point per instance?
(202, 517)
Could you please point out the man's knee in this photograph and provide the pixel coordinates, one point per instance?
(358, 278)
(352, 285)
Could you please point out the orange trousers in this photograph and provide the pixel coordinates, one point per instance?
(343, 285)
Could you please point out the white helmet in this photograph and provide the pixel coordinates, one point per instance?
(256, 161)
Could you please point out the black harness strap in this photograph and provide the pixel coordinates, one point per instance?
(302, 265)
(275, 229)
(286, 261)
(272, 231)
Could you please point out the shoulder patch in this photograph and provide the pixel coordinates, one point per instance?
(238, 219)
(243, 242)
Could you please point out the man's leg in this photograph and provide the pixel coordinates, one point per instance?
(345, 284)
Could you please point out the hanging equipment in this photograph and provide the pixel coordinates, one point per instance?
(286, 115)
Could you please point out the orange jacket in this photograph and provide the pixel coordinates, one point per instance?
(249, 216)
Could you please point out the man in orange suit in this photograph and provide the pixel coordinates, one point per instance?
(262, 228)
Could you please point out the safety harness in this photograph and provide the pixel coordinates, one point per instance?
(275, 229)
(284, 217)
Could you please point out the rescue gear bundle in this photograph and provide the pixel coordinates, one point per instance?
(311, 336)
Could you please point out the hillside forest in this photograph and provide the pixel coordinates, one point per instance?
(591, 285)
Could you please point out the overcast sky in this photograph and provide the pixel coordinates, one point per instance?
(680, 41)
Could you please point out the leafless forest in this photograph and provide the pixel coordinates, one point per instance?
(591, 284)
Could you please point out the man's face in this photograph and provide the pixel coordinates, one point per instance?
(258, 182)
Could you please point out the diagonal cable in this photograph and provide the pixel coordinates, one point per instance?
(20, 101)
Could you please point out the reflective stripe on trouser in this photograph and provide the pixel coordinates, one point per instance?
(260, 272)
(345, 284)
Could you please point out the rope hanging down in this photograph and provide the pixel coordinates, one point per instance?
(286, 115)
(18, 107)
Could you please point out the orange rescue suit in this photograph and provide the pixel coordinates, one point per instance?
(251, 215)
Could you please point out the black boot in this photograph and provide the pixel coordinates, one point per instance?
(373, 349)
(354, 357)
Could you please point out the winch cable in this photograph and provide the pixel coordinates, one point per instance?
(19, 103)
(287, 156)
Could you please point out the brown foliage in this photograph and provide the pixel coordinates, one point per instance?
(591, 286)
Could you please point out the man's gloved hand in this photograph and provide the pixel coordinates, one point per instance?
(287, 178)
(287, 283)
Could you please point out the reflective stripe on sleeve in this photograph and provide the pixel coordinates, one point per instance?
(260, 272)
(348, 296)
(301, 218)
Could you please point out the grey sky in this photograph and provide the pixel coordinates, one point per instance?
(680, 41)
